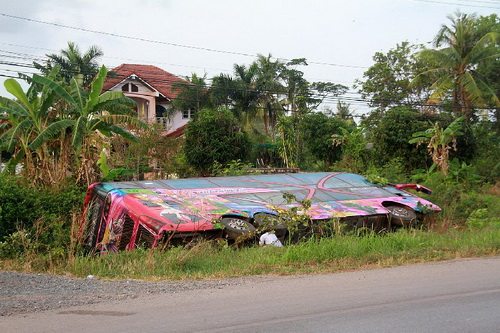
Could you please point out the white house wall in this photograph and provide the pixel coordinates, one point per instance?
(146, 102)
(177, 121)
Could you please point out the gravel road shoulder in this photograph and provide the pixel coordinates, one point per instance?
(27, 293)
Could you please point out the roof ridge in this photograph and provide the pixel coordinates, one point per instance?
(156, 77)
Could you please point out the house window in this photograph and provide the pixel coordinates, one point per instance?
(130, 87)
(188, 114)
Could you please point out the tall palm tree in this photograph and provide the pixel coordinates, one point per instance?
(270, 87)
(344, 112)
(193, 95)
(297, 87)
(454, 65)
(84, 67)
(239, 92)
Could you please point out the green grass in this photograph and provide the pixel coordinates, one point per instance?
(207, 260)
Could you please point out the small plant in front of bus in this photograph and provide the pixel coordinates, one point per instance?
(216, 223)
(233, 168)
(376, 179)
(424, 209)
(110, 175)
(295, 218)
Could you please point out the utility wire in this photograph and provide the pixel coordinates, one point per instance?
(178, 84)
(161, 42)
(355, 101)
(325, 99)
(493, 2)
(456, 4)
(143, 72)
(153, 62)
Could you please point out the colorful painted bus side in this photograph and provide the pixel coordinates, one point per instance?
(125, 215)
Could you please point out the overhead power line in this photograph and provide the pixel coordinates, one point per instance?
(153, 62)
(457, 4)
(357, 99)
(327, 100)
(30, 57)
(163, 42)
(153, 80)
(120, 58)
(491, 2)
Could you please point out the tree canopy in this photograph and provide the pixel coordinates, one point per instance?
(461, 47)
(214, 137)
(73, 64)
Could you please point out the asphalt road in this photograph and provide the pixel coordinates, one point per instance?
(453, 296)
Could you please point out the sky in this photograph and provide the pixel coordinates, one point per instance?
(338, 38)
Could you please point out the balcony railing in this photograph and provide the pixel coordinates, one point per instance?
(163, 121)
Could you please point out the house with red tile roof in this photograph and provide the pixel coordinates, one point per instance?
(153, 89)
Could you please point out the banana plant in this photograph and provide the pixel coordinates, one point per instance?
(23, 119)
(92, 112)
(439, 141)
(51, 116)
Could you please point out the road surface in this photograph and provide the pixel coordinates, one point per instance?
(453, 296)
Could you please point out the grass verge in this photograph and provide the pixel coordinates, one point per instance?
(209, 260)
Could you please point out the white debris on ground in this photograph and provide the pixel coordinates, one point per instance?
(269, 238)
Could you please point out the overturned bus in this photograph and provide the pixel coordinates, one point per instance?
(125, 215)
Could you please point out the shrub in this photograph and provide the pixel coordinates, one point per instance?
(318, 130)
(487, 159)
(214, 137)
(460, 198)
(22, 205)
(392, 134)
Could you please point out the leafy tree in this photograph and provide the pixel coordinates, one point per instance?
(290, 144)
(303, 96)
(239, 92)
(491, 69)
(194, 95)
(88, 123)
(214, 137)
(487, 157)
(391, 136)
(270, 87)
(386, 84)
(25, 118)
(296, 87)
(265, 89)
(353, 145)
(344, 112)
(454, 66)
(154, 154)
(318, 129)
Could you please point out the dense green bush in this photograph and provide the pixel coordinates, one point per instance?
(215, 137)
(487, 154)
(21, 205)
(318, 129)
(460, 198)
(391, 136)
